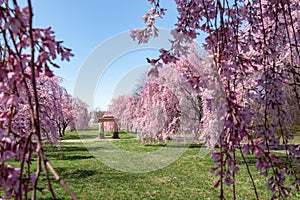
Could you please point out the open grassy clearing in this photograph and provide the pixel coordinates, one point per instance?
(188, 177)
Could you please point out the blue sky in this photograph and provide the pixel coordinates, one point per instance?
(84, 25)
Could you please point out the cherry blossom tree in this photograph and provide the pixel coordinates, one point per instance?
(121, 108)
(183, 78)
(157, 115)
(80, 114)
(292, 106)
(168, 104)
(253, 51)
(55, 104)
(59, 107)
(189, 98)
(109, 126)
(25, 54)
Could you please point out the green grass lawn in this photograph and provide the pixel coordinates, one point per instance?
(188, 177)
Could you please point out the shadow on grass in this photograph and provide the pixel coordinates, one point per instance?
(77, 153)
(197, 146)
(51, 198)
(77, 137)
(73, 149)
(83, 173)
(76, 174)
(177, 145)
(76, 157)
(79, 149)
(64, 149)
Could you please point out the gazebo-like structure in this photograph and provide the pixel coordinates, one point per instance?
(101, 122)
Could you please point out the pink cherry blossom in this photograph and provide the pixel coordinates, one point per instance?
(253, 48)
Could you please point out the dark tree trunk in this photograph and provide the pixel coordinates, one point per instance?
(60, 131)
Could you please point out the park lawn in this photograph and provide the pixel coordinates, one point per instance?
(189, 177)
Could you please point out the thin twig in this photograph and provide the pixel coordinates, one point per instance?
(61, 181)
(250, 175)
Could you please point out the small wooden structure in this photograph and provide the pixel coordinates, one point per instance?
(101, 122)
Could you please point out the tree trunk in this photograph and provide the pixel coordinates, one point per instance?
(60, 131)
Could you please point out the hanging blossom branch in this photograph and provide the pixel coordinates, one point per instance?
(254, 48)
(26, 53)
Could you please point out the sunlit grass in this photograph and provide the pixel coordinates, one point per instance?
(189, 177)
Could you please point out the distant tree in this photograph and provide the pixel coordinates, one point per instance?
(59, 107)
(154, 113)
(98, 113)
(188, 95)
(121, 108)
(80, 114)
(139, 86)
(55, 103)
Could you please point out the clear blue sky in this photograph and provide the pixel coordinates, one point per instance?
(84, 24)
